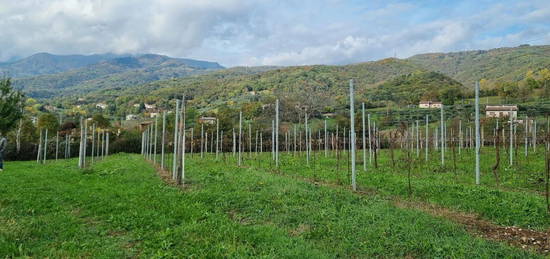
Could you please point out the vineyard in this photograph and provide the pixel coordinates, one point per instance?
(434, 185)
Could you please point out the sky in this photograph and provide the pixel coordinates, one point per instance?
(268, 32)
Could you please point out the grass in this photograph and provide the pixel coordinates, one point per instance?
(518, 199)
(120, 208)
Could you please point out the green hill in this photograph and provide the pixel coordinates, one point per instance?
(316, 88)
(412, 88)
(114, 73)
(502, 64)
(46, 63)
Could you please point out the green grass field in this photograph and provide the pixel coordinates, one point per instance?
(518, 200)
(120, 207)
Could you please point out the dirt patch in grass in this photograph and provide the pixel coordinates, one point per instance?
(166, 176)
(302, 228)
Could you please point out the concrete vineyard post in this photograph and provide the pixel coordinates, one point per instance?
(417, 138)
(202, 140)
(155, 139)
(277, 133)
(183, 140)
(107, 144)
(174, 155)
(363, 135)
(427, 138)
(326, 139)
(352, 134)
(45, 146)
(234, 142)
(294, 139)
(56, 145)
(307, 149)
(192, 140)
(477, 132)
(442, 134)
(81, 145)
(370, 138)
(240, 137)
(163, 140)
(511, 139)
(273, 140)
(217, 137)
(460, 137)
(93, 142)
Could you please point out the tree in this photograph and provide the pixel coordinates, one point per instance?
(450, 95)
(48, 121)
(101, 121)
(11, 105)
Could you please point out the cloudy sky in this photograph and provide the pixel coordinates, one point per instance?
(277, 32)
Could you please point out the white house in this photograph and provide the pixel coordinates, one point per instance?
(150, 106)
(102, 106)
(207, 120)
(429, 105)
(499, 111)
(131, 117)
(154, 114)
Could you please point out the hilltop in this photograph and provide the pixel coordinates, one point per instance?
(501, 64)
(108, 73)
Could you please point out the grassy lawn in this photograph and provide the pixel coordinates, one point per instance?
(121, 208)
(518, 199)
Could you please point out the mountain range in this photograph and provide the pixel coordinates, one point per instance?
(110, 77)
(46, 75)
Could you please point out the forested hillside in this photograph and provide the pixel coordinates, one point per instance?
(495, 65)
(115, 73)
(46, 63)
(125, 84)
(319, 89)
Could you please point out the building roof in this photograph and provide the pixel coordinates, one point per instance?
(501, 108)
(430, 102)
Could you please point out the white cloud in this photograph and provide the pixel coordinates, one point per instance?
(87, 26)
(269, 32)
